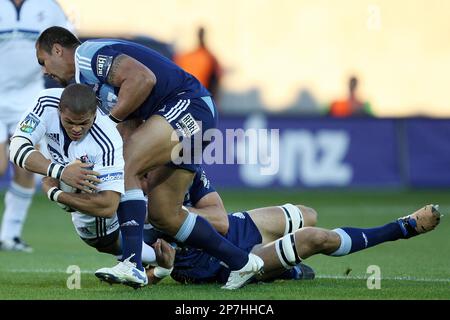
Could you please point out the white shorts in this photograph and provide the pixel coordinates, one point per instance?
(88, 227)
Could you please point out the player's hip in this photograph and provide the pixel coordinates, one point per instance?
(189, 115)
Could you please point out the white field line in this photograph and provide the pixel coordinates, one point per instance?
(325, 276)
(384, 278)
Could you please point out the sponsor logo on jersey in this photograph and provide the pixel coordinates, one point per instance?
(55, 154)
(111, 176)
(53, 136)
(30, 123)
(103, 65)
(189, 126)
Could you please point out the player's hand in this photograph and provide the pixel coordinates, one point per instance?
(165, 253)
(48, 183)
(80, 176)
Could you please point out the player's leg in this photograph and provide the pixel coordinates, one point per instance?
(167, 197)
(17, 202)
(156, 143)
(274, 222)
(291, 249)
(103, 234)
(149, 145)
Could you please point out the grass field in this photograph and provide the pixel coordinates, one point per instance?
(418, 268)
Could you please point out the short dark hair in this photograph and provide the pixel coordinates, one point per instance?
(60, 35)
(79, 99)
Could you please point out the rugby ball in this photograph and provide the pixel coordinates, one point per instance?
(66, 188)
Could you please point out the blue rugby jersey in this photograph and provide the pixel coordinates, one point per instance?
(94, 58)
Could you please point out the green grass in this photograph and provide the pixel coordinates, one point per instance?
(418, 268)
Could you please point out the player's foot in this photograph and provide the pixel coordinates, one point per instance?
(303, 272)
(421, 221)
(15, 244)
(238, 278)
(124, 272)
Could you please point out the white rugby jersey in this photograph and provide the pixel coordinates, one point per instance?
(21, 75)
(101, 146)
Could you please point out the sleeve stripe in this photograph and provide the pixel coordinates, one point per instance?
(22, 152)
(79, 57)
(31, 142)
(84, 64)
(101, 146)
(24, 156)
(43, 102)
(109, 141)
(50, 169)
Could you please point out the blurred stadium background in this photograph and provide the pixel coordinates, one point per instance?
(283, 64)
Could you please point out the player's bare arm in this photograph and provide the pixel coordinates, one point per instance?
(212, 209)
(102, 204)
(135, 80)
(25, 155)
(165, 258)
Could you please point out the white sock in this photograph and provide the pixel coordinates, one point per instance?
(148, 254)
(346, 243)
(17, 201)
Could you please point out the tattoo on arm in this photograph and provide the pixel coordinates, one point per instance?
(111, 79)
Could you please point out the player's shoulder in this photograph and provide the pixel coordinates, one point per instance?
(47, 101)
(54, 93)
(87, 50)
(105, 130)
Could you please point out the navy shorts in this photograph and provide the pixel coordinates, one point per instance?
(190, 117)
(202, 267)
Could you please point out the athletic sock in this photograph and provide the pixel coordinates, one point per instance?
(199, 233)
(148, 253)
(17, 202)
(131, 215)
(356, 239)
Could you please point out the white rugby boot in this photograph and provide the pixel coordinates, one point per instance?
(124, 272)
(238, 278)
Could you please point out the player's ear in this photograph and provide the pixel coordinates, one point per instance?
(57, 49)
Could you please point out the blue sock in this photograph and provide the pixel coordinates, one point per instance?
(199, 233)
(356, 239)
(131, 215)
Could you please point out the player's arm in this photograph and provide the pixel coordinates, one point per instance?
(23, 153)
(103, 204)
(165, 258)
(212, 209)
(135, 80)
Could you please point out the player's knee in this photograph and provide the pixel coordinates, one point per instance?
(160, 218)
(286, 251)
(293, 218)
(318, 238)
(309, 216)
